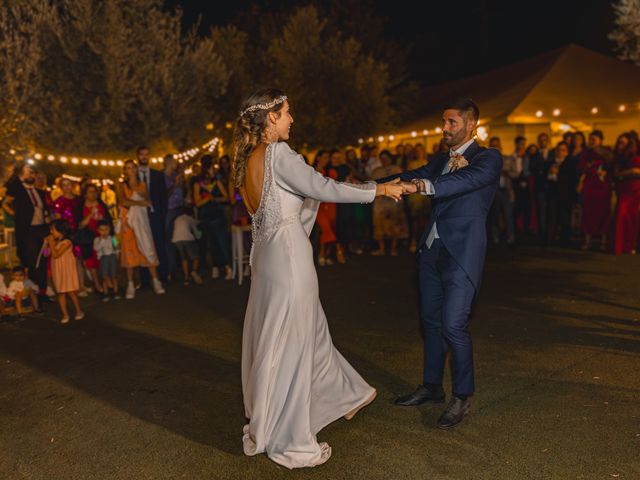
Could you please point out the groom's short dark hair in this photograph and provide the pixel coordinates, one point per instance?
(464, 105)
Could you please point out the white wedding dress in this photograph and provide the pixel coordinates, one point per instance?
(294, 381)
(138, 220)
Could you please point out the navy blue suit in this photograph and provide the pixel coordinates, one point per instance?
(450, 271)
(157, 219)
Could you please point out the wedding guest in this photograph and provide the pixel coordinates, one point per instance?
(327, 213)
(502, 209)
(21, 291)
(90, 212)
(418, 206)
(174, 182)
(345, 212)
(209, 194)
(105, 246)
(28, 206)
(137, 246)
(65, 207)
(627, 178)
(562, 180)
(519, 173)
(157, 210)
(578, 149)
(110, 199)
(538, 166)
(595, 187)
(389, 221)
(373, 162)
(63, 268)
(184, 237)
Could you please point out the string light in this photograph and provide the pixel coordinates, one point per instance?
(186, 155)
(556, 112)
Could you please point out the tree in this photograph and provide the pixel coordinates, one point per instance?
(337, 92)
(20, 79)
(105, 76)
(627, 33)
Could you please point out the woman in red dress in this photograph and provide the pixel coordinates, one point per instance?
(595, 186)
(91, 211)
(627, 178)
(327, 213)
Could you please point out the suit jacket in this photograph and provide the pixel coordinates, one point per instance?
(461, 204)
(23, 206)
(158, 193)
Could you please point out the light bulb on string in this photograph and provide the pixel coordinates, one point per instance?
(594, 110)
(622, 108)
(414, 134)
(539, 114)
(425, 132)
(556, 112)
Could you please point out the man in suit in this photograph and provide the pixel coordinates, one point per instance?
(154, 179)
(28, 207)
(451, 253)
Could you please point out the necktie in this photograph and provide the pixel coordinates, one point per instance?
(32, 196)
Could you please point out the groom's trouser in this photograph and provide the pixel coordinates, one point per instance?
(446, 294)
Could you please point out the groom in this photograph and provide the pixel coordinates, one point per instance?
(451, 252)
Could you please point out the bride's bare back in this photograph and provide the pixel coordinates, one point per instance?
(254, 178)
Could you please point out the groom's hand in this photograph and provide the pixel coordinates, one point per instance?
(408, 187)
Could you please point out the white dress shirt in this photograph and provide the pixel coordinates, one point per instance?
(430, 190)
(38, 206)
(144, 175)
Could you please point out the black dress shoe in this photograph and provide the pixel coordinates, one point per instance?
(421, 395)
(455, 412)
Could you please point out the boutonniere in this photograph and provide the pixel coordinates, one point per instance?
(457, 162)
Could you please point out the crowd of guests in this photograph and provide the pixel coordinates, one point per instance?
(577, 189)
(76, 237)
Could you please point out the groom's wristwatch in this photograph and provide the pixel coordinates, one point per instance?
(419, 183)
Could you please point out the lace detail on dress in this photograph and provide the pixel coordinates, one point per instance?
(268, 217)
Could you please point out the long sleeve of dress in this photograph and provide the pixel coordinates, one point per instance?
(293, 174)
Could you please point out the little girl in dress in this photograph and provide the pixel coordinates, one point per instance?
(64, 268)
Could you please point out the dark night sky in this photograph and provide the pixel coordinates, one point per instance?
(452, 39)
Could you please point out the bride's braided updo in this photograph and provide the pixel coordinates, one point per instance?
(251, 127)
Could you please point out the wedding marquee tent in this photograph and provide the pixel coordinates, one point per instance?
(571, 88)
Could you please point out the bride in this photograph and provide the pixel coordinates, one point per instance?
(294, 381)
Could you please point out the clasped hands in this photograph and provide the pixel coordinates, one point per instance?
(418, 185)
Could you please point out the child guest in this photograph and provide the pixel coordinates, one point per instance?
(185, 231)
(105, 247)
(64, 268)
(21, 291)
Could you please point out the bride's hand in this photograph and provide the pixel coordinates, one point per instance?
(392, 189)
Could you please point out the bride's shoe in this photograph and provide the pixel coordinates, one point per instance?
(368, 401)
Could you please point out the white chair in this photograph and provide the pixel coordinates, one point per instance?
(239, 258)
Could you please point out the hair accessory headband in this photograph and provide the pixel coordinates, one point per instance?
(264, 106)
